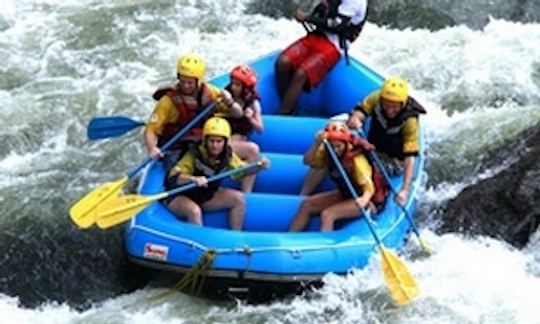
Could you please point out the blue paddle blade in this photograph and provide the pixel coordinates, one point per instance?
(114, 126)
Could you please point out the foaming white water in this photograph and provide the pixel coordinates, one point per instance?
(465, 281)
(485, 65)
(47, 314)
(480, 280)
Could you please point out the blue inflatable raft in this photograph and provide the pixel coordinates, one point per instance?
(264, 258)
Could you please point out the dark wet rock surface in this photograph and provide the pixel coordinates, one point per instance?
(505, 206)
(430, 14)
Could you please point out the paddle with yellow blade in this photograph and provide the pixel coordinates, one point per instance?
(375, 158)
(400, 282)
(121, 209)
(82, 213)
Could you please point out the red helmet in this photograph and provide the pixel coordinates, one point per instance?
(336, 131)
(244, 74)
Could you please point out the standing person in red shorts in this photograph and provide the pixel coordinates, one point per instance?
(331, 27)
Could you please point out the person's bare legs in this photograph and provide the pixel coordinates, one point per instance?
(312, 180)
(226, 198)
(184, 207)
(341, 210)
(312, 205)
(292, 93)
(284, 72)
(249, 152)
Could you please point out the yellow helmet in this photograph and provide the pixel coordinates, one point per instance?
(395, 89)
(217, 126)
(191, 65)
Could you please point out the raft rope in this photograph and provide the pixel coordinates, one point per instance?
(252, 250)
(198, 271)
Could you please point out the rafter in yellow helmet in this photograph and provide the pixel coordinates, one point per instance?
(395, 89)
(217, 126)
(191, 65)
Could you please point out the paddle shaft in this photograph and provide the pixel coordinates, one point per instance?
(373, 155)
(218, 176)
(173, 139)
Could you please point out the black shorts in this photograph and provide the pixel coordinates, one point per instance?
(199, 195)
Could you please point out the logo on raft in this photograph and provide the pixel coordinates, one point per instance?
(156, 252)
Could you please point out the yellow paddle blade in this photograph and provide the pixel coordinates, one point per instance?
(121, 209)
(82, 213)
(400, 282)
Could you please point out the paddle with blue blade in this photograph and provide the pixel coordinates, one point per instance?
(82, 213)
(113, 126)
(121, 209)
(378, 163)
(400, 282)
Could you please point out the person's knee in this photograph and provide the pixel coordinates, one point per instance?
(307, 205)
(236, 217)
(238, 199)
(300, 75)
(174, 205)
(253, 151)
(283, 63)
(194, 215)
(327, 217)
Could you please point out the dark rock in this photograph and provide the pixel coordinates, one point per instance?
(505, 206)
(430, 14)
(50, 260)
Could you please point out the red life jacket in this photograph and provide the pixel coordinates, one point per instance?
(241, 125)
(381, 187)
(359, 146)
(187, 107)
(347, 162)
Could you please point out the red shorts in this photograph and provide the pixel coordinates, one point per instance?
(314, 54)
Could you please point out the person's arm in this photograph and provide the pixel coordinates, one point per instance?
(356, 119)
(236, 163)
(320, 19)
(160, 116)
(315, 155)
(255, 116)
(182, 179)
(348, 13)
(362, 110)
(362, 175)
(403, 194)
(150, 141)
(232, 108)
(184, 169)
(410, 133)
